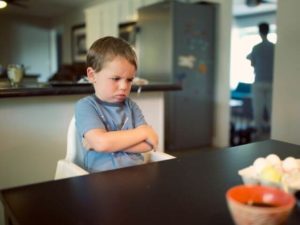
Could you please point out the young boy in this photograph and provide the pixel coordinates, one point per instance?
(111, 127)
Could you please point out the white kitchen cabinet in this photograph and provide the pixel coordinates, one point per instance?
(103, 19)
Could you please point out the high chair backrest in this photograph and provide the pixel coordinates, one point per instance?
(68, 167)
(71, 141)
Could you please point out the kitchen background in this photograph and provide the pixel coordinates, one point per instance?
(23, 37)
(43, 40)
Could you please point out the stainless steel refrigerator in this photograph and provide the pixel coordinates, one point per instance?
(176, 43)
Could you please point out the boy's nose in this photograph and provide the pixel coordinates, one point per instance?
(124, 85)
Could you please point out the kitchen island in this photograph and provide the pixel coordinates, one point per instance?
(34, 121)
(67, 88)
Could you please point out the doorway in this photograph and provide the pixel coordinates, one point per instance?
(244, 36)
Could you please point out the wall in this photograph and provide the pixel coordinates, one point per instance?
(64, 25)
(26, 40)
(286, 109)
(32, 41)
(222, 93)
(33, 132)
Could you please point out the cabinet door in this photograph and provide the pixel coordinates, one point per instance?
(93, 28)
(102, 20)
(129, 8)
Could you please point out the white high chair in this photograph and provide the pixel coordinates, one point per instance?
(67, 167)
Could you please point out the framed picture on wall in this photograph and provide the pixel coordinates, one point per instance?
(128, 32)
(79, 49)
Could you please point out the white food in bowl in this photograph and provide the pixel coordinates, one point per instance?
(273, 159)
(289, 164)
(271, 172)
(259, 164)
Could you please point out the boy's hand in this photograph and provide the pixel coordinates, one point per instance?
(151, 136)
(85, 144)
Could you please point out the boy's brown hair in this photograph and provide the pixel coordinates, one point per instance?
(106, 49)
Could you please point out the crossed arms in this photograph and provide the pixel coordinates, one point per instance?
(140, 139)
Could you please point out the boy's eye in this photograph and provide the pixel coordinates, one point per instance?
(115, 78)
(130, 80)
(119, 78)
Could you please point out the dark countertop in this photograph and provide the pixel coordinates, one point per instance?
(72, 89)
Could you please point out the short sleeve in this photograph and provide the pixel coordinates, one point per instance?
(87, 116)
(137, 115)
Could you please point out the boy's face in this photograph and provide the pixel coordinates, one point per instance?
(113, 82)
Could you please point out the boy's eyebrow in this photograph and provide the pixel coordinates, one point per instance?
(129, 77)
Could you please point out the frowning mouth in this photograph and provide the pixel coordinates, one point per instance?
(121, 97)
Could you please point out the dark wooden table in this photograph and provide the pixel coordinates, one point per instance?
(184, 191)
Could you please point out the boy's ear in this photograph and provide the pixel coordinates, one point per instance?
(90, 72)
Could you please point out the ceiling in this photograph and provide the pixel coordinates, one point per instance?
(45, 8)
(55, 8)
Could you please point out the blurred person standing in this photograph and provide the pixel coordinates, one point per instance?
(262, 59)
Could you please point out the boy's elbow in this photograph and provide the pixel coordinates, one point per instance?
(102, 146)
(98, 141)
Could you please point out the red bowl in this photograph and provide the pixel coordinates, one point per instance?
(259, 205)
